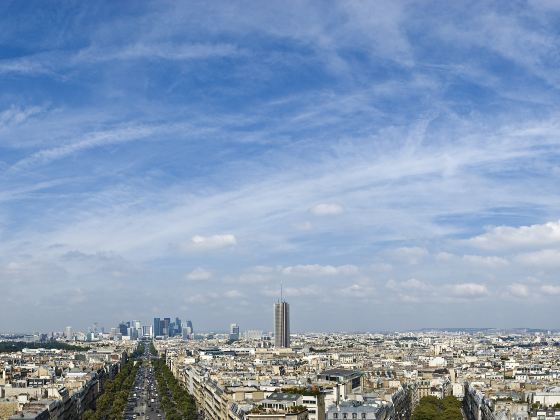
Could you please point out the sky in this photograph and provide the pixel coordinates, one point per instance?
(393, 164)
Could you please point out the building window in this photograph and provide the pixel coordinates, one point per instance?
(354, 415)
(335, 415)
(363, 415)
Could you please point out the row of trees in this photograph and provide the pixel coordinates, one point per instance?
(176, 402)
(111, 404)
(139, 350)
(432, 408)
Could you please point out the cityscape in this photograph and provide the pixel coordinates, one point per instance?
(256, 375)
(279, 210)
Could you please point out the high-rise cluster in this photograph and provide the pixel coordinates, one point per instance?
(164, 327)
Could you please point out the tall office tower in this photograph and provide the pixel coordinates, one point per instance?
(234, 332)
(157, 327)
(147, 331)
(188, 332)
(68, 332)
(282, 324)
(178, 326)
(165, 328)
(132, 332)
(123, 328)
(189, 325)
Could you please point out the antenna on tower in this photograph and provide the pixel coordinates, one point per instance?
(281, 291)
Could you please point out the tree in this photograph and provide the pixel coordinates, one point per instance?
(432, 408)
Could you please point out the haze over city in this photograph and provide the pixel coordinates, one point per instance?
(393, 164)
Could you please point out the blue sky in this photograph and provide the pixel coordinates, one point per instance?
(394, 163)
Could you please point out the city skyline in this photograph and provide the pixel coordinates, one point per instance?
(393, 164)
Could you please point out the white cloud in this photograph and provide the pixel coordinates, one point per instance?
(212, 297)
(89, 141)
(519, 290)
(406, 298)
(233, 294)
(199, 274)
(519, 237)
(444, 256)
(305, 226)
(411, 290)
(250, 278)
(311, 290)
(41, 63)
(201, 298)
(17, 115)
(486, 261)
(327, 209)
(415, 284)
(358, 290)
(549, 289)
(468, 290)
(543, 258)
(320, 270)
(263, 269)
(411, 254)
(213, 241)
(381, 267)
(407, 284)
(180, 52)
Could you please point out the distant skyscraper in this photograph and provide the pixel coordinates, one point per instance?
(68, 332)
(282, 324)
(165, 328)
(123, 328)
(132, 332)
(147, 331)
(186, 333)
(178, 327)
(157, 327)
(234, 332)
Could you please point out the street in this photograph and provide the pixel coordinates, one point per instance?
(143, 400)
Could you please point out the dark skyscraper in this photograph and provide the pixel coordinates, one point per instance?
(165, 327)
(157, 327)
(178, 327)
(282, 324)
(123, 328)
